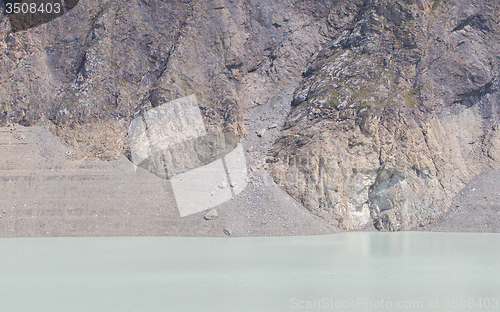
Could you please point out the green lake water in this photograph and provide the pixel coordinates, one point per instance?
(358, 271)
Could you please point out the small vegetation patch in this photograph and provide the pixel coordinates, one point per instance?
(410, 96)
(415, 91)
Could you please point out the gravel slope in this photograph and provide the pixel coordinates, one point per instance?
(476, 208)
(46, 194)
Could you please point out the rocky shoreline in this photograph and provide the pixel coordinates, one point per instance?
(48, 195)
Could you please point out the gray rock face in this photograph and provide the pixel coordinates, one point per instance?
(396, 115)
(397, 106)
(105, 60)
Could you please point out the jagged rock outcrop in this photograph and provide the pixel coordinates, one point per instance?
(396, 115)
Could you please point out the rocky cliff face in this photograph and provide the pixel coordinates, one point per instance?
(92, 69)
(397, 107)
(396, 115)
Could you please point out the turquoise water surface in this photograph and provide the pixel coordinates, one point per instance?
(358, 271)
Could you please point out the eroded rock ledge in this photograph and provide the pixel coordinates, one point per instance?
(398, 167)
